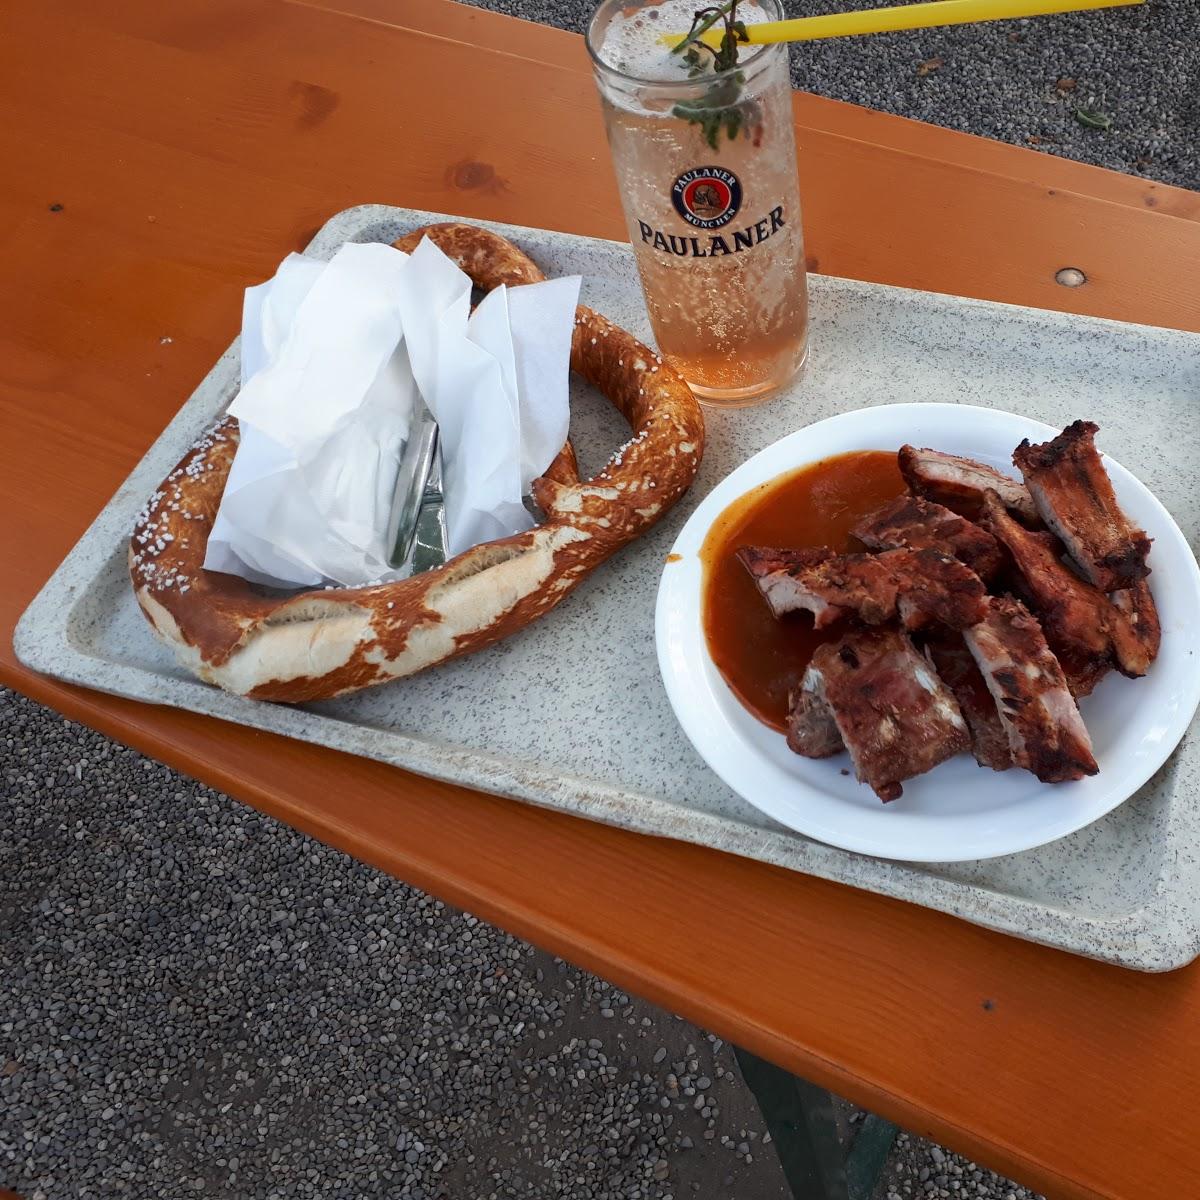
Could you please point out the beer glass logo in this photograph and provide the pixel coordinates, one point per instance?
(707, 197)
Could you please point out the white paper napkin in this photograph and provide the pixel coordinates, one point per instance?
(335, 357)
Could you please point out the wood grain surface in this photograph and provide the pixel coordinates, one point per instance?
(159, 158)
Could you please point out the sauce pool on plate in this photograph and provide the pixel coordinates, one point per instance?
(761, 657)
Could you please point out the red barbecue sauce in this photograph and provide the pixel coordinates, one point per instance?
(761, 657)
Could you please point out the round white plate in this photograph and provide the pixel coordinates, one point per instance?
(957, 811)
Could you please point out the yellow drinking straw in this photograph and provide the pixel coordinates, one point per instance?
(908, 16)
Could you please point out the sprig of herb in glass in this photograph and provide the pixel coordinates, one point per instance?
(720, 107)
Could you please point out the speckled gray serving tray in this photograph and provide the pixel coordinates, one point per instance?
(571, 712)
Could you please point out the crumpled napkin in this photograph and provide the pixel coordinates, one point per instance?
(336, 357)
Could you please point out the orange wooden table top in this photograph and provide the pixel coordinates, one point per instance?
(160, 157)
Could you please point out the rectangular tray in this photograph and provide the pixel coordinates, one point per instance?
(563, 697)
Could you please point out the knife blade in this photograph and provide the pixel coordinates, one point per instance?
(416, 463)
(429, 544)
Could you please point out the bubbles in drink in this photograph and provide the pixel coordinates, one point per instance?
(631, 41)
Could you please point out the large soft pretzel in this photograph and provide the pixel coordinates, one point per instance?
(323, 642)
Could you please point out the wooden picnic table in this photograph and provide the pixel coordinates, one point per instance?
(160, 157)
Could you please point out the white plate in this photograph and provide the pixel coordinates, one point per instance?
(959, 810)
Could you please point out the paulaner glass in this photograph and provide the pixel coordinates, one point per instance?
(707, 172)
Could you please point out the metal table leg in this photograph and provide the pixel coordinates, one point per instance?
(800, 1118)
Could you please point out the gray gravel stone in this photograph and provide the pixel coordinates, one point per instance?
(291, 1023)
(1138, 66)
(294, 1025)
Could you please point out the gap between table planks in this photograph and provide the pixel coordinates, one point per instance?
(239, 127)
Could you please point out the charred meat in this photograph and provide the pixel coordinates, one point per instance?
(830, 586)
(1075, 497)
(811, 729)
(776, 573)
(959, 483)
(1139, 641)
(935, 588)
(893, 713)
(953, 662)
(1021, 597)
(910, 523)
(1046, 734)
(1088, 633)
(923, 586)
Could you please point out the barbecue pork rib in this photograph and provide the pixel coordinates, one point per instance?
(959, 483)
(1088, 633)
(830, 586)
(1136, 605)
(893, 713)
(953, 662)
(1074, 495)
(811, 729)
(935, 588)
(1046, 734)
(910, 523)
(923, 586)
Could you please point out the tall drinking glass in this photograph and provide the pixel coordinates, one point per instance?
(707, 171)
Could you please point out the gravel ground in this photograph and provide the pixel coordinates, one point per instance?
(196, 1000)
(1019, 81)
